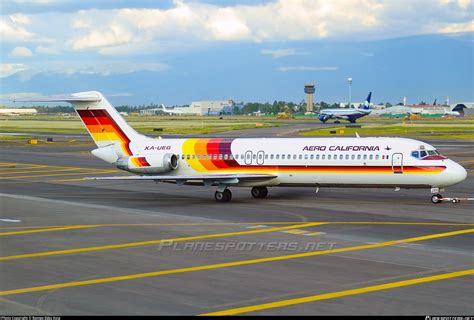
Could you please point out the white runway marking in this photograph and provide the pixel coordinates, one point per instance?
(10, 220)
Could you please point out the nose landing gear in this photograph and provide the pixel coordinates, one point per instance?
(436, 198)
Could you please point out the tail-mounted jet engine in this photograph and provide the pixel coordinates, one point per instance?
(150, 164)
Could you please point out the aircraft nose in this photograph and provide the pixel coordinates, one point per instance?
(457, 173)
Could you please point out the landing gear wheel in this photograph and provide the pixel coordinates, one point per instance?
(337, 121)
(224, 196)
(436, 198)
(259, 192)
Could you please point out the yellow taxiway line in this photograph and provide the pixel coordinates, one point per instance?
(41, 171)
(57, 174)
(345, 293)
(146, 243)
(229, 264)
(254, 224)
(47, 230)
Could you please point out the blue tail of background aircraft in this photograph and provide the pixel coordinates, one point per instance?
(367, 102)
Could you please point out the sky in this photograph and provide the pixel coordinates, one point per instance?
(174, 52)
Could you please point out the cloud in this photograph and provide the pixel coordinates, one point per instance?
(11, 31)
(458, 27)
(280, 53)
(20, 52)
(306, 68)
(27, 72)
(8, 69)
(47, 50)
(118, 30)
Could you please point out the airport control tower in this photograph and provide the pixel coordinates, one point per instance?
(309, 90)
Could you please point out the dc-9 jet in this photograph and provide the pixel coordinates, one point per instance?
(261, 163)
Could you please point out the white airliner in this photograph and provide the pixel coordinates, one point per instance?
(351, 114)
(261, 163)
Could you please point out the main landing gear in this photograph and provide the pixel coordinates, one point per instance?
(223, 196)
(259, 192)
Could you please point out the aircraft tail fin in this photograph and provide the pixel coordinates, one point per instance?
(367, 101)
(103, 122)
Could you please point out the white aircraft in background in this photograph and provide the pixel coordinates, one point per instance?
(351, 114)
(261, 163)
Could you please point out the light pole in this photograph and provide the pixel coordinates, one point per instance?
(349, 80)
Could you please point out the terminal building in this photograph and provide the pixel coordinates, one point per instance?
(197, 108)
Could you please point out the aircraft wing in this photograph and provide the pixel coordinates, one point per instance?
(207, 179)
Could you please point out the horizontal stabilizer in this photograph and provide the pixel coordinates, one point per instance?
(64, 98)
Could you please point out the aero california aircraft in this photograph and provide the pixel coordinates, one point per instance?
(261, 163)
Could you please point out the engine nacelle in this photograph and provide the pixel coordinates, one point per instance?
(151, 164)
(323, 118)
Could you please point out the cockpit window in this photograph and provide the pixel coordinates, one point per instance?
(424, 153)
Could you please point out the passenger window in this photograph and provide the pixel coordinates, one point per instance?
(371, 157)
(266, 157)
(231, 157)
(282, 157)
(359, 157)
(278, 157)
(182, 157)
(317, 157)
(341, 157)
(188, 157)
(254, 156)
(329, 157)
(365, 157)
(311, 156)
(199, 157)
(347, 157)
(323, 156)
(226, 157)
(376, 157)
(271, 157)
(289, 157)
(294, 157)
(306, 157)
(300, 156)
(194, 157)
(353, 157)
(215, 156)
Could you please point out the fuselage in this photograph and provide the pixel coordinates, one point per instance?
(380, 162)
(347, 114)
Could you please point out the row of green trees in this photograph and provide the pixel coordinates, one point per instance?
(238, 109)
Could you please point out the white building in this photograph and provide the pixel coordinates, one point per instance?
(204, 108)
(19, 111)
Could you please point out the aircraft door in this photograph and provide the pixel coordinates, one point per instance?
(397, 163)
(248, 157)
(260, 157)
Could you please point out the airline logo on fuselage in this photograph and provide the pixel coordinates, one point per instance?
(341, 148)
(157, 148)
